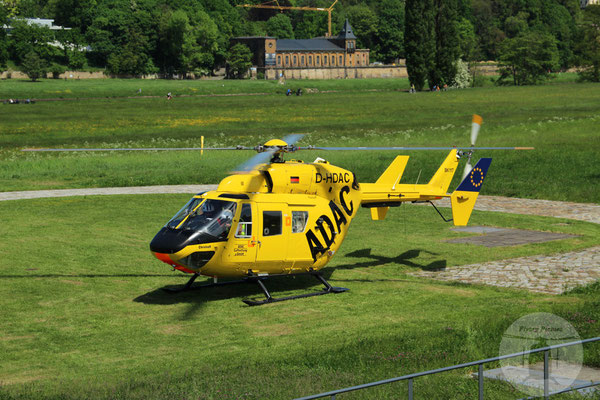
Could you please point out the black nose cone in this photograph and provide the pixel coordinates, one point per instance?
(170, 241)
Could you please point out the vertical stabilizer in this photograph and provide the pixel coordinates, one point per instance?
(442, 178)
(464, 197)
(394, 172)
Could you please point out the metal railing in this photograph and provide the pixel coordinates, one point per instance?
(332, 394)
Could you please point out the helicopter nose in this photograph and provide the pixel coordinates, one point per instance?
(169, 241)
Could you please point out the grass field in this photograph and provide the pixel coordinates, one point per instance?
(83, 313)
(560, 120)
(84, 317)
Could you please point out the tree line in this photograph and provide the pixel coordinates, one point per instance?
(168, 37)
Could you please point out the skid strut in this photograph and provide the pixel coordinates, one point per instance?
(270, 299)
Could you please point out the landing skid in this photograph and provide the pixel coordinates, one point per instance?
(270, 299)
(259, 280)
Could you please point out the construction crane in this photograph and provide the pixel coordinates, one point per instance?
(276, 6)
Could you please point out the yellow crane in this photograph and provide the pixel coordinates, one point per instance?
(276, 6)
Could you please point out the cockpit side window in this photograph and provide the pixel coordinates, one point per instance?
(271, 223)
(244, 228)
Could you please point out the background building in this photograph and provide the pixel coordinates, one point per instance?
(271, 54)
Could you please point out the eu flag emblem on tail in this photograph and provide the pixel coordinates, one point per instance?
(474, 180)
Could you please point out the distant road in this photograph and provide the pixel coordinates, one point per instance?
(547, 208)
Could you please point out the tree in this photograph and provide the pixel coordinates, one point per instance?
(239, 60)
(3, 41)
(390, 34)
(280, 26)
(447, 49)
(133, 58)
(467, 41)
(76, 14)
(527, 59)
(75, 59)
(365, 26)
(419, 41)
(557, 21)
(33, 66)
(588, 49)
(26, 38)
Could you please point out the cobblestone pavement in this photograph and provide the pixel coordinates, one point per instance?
(547, 274)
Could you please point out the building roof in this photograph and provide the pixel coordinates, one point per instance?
(254, 37)
(306, 45)
(48, 23)
(346, 32)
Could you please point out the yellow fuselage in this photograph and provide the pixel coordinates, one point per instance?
(300, 214)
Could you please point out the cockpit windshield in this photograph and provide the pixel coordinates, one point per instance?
(184, 212)
(209, 217)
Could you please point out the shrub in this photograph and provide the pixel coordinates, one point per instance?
(56, 70)
(463, 78)
(33, 66)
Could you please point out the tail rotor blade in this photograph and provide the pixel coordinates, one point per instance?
(468, 168)
(477, 120)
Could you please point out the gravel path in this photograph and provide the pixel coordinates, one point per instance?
(547, 274)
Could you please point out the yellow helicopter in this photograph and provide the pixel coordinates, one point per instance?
(275, 217)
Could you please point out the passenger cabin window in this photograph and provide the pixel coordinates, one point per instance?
(299, 220)
(244, 229)
(271, 223)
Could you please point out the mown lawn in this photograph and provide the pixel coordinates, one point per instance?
(84, 316)
(559, 120)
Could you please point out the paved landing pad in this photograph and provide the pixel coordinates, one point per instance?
(497, 237)
(531, 379)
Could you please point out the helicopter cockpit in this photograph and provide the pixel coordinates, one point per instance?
(211, 217)
(199, 221)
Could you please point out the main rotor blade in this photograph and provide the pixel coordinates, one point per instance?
(264, 157)
(411, 148)
(260, 158)
(146, 149)
(293, 138)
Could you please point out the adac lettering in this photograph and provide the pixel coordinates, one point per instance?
(333, 177)
(325, 226)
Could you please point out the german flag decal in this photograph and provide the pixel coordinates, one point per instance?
(294, 179)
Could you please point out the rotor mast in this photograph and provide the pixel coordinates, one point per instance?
(279, 7)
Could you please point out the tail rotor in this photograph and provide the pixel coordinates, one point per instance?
(475, 126)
